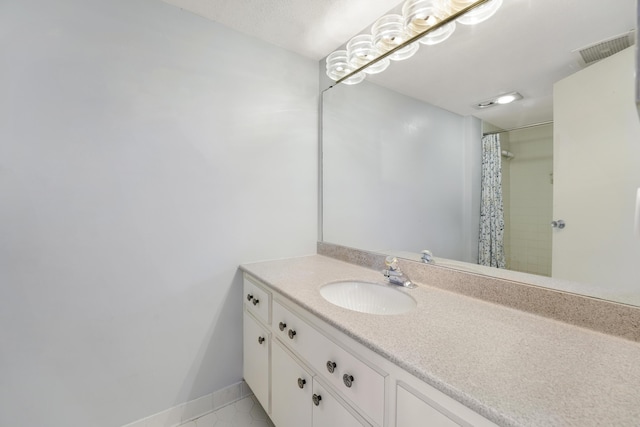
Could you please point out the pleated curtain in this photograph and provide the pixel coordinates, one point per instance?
(491, 242)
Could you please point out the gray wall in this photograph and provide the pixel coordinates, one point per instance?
(399, 174)
(144, 153)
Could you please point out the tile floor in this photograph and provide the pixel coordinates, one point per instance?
(246, 412)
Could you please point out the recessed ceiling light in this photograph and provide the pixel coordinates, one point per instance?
(486, 104)
(507, 98)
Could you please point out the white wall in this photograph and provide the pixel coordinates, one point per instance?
(399, 174)
(596, 176)
(144, 153)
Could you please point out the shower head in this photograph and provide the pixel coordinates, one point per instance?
(507, 154)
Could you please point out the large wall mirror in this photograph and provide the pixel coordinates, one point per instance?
(403, 150)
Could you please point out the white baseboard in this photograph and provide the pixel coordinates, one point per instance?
(195, 408)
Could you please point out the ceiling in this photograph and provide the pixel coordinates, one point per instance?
(312, 28)
(526, 47)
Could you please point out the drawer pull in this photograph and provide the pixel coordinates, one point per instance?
(256, 301)
(301, 382)
(292, 333)
(331, 366)
(249, 297)
(316, 399)
(282, 326)
(348, 380)
(260, 340)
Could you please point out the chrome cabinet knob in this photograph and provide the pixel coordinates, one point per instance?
(282, 326)
(347, 380)
(260, 340)
(558, 224)
(301, 382)
(292, 333)
(256, 301)
(249, 297)
(331, 366)
(316, 399)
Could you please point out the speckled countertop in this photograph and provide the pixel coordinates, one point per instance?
(515, 368)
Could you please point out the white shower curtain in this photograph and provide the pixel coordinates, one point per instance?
(491, 242)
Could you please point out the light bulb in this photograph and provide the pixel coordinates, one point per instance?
(389, 33)
(420, 15)
(338, 67)
(506, 99)
(361, 51)
(477, 15)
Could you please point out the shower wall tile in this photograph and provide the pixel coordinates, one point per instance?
(530, 200)
(506, 198)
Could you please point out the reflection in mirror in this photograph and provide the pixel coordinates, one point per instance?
(402, 160)
(388, 159)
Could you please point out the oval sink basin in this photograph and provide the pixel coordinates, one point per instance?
(368, 297)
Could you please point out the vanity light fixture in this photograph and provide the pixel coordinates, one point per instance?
(338, 67)
(397, 37)
(361, 50)
(420, 15)
(478, 15)
(506, 98)
(389, 33)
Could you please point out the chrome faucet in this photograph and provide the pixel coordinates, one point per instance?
(394, 275)
(427, 257)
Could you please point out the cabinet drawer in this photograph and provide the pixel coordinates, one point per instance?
(257, 300)
(356, 381)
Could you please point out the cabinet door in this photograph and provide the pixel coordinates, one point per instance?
(256, 359)
(291, 390)
(329, 411)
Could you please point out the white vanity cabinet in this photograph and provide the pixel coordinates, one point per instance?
(308, 374)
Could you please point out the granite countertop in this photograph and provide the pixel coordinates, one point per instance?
(514, 368)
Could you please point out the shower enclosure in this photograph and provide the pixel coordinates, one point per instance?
(527, 192)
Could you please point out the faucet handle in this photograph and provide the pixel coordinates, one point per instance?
(427, 256)
(391, 262)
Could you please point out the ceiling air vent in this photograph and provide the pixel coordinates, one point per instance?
(594, 53)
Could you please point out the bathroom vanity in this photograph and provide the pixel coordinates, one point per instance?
(451, 360)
